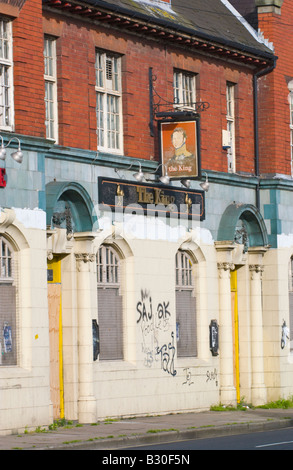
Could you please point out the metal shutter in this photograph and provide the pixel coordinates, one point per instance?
(110, 324)
(186, 324)
(8, 337)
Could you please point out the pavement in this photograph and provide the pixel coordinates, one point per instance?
(114, 434)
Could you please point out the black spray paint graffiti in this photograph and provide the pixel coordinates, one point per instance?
(145, 310)
(167, 357)
(153, 321)
(212, 375)
(285, 334)
(188, 379)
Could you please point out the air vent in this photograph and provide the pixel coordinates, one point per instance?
(109, 69)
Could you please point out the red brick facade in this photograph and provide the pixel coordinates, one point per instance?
(77, 40)
(274, 114)
(28, 62)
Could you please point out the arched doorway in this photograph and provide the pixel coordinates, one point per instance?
(243, 229)
(68, 207)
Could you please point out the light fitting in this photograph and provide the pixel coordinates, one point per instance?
(17, 155)
(205, 185)
(164, 178)
(139, 176)
(185, 183)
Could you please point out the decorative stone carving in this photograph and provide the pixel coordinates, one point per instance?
(83, 260)
(7, 217)
(85, 257)
(255, 270)
(225, 268)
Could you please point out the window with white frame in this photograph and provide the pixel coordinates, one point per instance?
(186, 330)
(109, 304)
(51, 119)
(184, 89)
(8, 324)
(109, 102)
(291, 128)
(230, 116)
(6, 76)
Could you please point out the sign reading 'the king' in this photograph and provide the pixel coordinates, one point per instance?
(150, 199)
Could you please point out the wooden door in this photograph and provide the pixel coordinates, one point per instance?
(55, 337)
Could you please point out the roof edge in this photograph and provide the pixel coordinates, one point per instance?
(111, 8)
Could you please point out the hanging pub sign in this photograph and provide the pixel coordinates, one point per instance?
(150, 199)
(180, 150)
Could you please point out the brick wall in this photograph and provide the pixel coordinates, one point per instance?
(29, 70)
(76, 93)
(76, 44)
(273, 94)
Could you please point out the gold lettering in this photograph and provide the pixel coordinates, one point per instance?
(144, 196)
(157, 195)
(162, 198)
(139, 189)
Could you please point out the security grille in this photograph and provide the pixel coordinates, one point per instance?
(185, 307)
(109, 304)
(8, 334)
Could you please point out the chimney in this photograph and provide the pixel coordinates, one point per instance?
(269, 6)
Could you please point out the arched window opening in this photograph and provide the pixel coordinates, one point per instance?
(186, 331)
(109, 304)
(8, 341)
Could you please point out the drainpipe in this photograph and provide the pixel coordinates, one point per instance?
(256, 76)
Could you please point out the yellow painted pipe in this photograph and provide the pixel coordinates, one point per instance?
(55, 266)
(236, 332)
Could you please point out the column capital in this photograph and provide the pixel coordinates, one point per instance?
(83, 260)
(85, 257)
(258, 268)
(225, 268)
(256, 271)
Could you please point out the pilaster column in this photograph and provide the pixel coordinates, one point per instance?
(256, 268)
(86, 303)
(225, 265)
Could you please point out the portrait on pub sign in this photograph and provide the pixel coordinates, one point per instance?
(179, 153)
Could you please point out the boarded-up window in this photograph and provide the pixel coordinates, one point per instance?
(185, 307)
(8, 340)
(109, 304)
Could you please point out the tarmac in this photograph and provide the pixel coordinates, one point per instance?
(118, 434)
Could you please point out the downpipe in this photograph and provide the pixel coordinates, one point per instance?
(256, 76)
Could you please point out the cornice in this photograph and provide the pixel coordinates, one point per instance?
(156, 31)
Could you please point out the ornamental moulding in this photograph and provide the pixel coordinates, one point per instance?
(258, 268)
(226, 266)
(85, 257)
